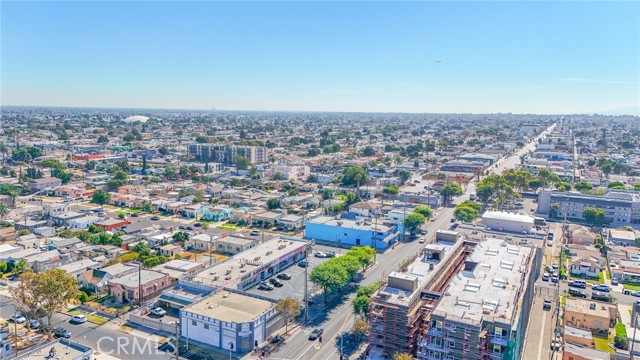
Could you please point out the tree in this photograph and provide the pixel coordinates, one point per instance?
(517, 178)
(3, 267)
(355, 175)
(119, 178)
(360, 328)
(364, 255)
(102, 139)
(101, 197)
(242, 163)
(583, 186)
(402, 356)
(391, 190)
(47, 293)
(90, 165)
(3, 209)
(4, 149)
(404, 175)
(594, 215)
(11, 191)
(142, 249)
(424, 211)
(329, 276)
(277, 176)
(465, 213)
(563, 186)
(180, 236)
(170, 173)
(273, 203)
(289, 308)
(636, 187)
(413, 221)
(312, 178)
(615, 184)
(146, 206)
(361, 305)
(62, 175)
(20, 266)
(201, 139)
(450, 190)
(368, 151)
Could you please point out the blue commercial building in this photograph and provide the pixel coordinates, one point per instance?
(348, 232)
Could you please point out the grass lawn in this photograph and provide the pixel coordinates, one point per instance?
(341, 197)
(91, 318)
(229, 227)
(631, 287)
(602, 344)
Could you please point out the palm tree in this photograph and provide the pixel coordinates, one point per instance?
(4, 149)
(3, 209)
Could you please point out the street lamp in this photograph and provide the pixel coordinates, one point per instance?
(230, 350)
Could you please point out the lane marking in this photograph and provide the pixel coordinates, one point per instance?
(544, 318)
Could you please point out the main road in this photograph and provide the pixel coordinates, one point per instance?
(338, 320)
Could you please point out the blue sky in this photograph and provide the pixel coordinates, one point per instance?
(535, 57)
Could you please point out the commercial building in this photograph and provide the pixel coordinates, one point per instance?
(44, 183)
(621, 207)
(400, 309)
(246, 269)
(485, 311)
(347, 232)
(226, 153)
(509, 222)
(622, 237)
(229, 321)
(465, 166)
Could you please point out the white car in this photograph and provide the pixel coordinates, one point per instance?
(550, 243)
(78, 319)
(18, 318)
(422, 240)
(159, 311)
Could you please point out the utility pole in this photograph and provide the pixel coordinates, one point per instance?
(306, 289)
(375, 237)
(140, 283)
(210, 256)
(177, 340)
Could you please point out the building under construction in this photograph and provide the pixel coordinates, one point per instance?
(400, 309)
(485, 310)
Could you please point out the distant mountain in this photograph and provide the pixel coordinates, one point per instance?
(631, 110)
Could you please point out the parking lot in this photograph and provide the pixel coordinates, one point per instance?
(294, 287)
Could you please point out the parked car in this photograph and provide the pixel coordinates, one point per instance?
(283, 276)
(422, 240)
(453, 220)
(555, 266)
(265, 286)
(602, 296)
(254, 233)
(545, 277)
(181, 227)
(134, 215)
(303, 263)
(577, 293)
(578, 283)
(554, 278)
(34, 324)
(550, 243)
(62, 332)
(315, 333)
(277, 340)
(18, 318)
(78, 319)
(547, 304)
(320, 254)
(159, 311)
(614, 282)
(600, 287)
(275, 282)
(155, 217)
(635, 293)
(197, 224)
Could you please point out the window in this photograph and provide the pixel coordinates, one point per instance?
(497, 349)
(452, 344)
(466, 347)
(437, 325)
(499, 331)
(206, 326)
(194, 323)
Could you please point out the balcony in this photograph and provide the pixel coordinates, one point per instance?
(500, 340)
(435, 332)
(434, 347)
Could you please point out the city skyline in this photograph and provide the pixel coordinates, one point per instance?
(549, 58)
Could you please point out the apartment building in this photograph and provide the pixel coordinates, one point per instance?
(226, 153)
(484, 313)
(400, 309)
(621, 207)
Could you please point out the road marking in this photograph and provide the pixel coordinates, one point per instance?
(544, 318)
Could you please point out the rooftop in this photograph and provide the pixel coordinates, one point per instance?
(230, 307)
(131, 280)
(502, 215)
(350, 224)
(489, 285)
(63, 348)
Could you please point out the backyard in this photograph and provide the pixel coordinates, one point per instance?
(602, 343)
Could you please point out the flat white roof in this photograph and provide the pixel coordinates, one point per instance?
(502, 215)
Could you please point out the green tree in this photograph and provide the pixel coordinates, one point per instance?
(403, 174)
(352, 198)
(636, 187)
(64, 176)
(391, 190)
(583, 186)
(355, 175)
(361, 305)
(402, 356)
(20, 266)
(465, 213)
(90, 165)
(3, 209)
(360, 328)
(277, 176)
(273, 203)
(615, 184)
(450, 190)
(142, 249)
(201, 139)
(594, 215)
(424, 211)
(518, 179)
(180, 236)
(364, 255)
(154, 261)
(101, 197)
(241, 162)
(146, 206)
(4, 149)
(290, 309)
(413, 221)
(47, 293)
(368, 151)
(329, 276)
(563, 186)
(312, 178)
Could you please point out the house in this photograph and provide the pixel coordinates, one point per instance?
(95, 280)
(590, 314)
(580, 235)
(177, 269)
(292, 222)
(62, 219)
(578, 336)
(78, 267)
(585, 268)
(112, 224)
(234, 244)
(126, 288)
(194, 211)
(204, 242)
(363, 209)
(84, 222)
(170, 250)
(217, 213)
(622, 237)
(577, 352)
(44, 231)
(44, 183)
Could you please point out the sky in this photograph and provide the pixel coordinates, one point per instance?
(448, 57)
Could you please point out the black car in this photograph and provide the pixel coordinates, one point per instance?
(62, 332)
(316, 333)
(303, 263)
(577, 293)
(197, 225)
(284, 276)
(275, 282)
(277, 340)
(155, 217)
